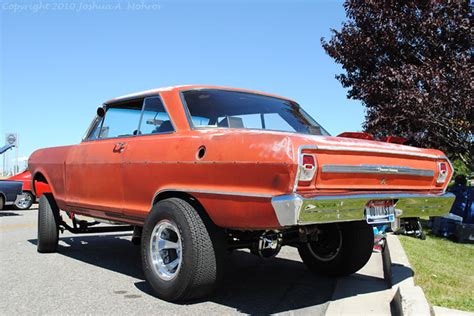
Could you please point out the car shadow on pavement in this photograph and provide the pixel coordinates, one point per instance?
(251, 285)
(266, 286)
(3, 213)
(113, 252)
(10, 210)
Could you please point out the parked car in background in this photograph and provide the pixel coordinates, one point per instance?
(9, 192)
(201, 170)
(28, 197)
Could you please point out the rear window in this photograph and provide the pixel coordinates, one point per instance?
(233, 109)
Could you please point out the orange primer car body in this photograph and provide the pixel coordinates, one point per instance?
(246, 179)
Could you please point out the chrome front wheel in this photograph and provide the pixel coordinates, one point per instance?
(166, 249)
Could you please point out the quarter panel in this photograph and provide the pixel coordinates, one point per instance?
(243, 163)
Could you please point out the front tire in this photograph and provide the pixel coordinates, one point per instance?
(180, 256)
(25, 202)
(48, 224)
(340, 249)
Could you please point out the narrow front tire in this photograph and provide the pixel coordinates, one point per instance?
(48, 224)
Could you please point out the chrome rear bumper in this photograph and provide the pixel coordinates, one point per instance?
(296, 209)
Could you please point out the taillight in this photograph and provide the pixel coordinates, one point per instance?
(442, 172)
(307, 167)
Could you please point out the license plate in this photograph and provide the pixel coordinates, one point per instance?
(378, 212)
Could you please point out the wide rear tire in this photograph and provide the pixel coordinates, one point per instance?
(341, 249)
(48, 224)
(181, 257)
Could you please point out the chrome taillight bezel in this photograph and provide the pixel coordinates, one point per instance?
(305, 149)
(307, 171)
(443, 172)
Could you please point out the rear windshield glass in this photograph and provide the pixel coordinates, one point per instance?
(232, 109)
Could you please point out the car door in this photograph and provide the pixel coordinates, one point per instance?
(146, 160)
(94, 168)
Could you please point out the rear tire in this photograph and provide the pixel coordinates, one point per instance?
(48, 224)
(2, 202)
(341, 249)
(25, 202)
(193, 246)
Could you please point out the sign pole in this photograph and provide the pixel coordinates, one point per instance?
(7, 165)
(17, 167)
(12, 139)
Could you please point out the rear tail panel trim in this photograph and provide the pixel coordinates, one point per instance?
(377, 169)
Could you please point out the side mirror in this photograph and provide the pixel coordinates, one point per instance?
(100, 112)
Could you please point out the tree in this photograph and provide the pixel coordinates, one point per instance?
(409, 62)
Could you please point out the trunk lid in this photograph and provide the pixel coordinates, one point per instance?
(357, 164)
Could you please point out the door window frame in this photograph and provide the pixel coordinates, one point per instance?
(143, 112)
(99, 120)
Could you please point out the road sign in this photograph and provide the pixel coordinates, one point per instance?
(11, 139)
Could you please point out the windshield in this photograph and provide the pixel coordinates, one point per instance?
(234, 109)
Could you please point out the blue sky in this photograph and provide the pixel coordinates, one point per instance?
(62, 59)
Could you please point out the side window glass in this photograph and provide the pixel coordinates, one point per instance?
(200, 121)
(95, 131)
(275, 122)
(240, 121)
(155, 119)
(119, 122)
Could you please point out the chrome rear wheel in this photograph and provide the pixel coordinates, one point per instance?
(181, 258)
(328, 245)
(338, 249)
(166, 249)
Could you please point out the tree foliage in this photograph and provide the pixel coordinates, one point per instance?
(409, 62)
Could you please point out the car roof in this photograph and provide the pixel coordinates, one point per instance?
(152, 92)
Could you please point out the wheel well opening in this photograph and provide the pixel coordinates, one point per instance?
(39, 177)
(188, 198)
(38, 190)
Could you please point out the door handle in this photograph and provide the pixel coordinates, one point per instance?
(119, 147)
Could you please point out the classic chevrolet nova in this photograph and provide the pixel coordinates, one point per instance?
(201, 170)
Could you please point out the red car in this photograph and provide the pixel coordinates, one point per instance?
(201, 170)
(26, 200)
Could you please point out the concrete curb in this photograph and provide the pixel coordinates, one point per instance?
(408, 299)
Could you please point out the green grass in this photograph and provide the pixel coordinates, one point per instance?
(444, 269)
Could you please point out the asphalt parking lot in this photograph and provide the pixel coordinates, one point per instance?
(101, 274)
